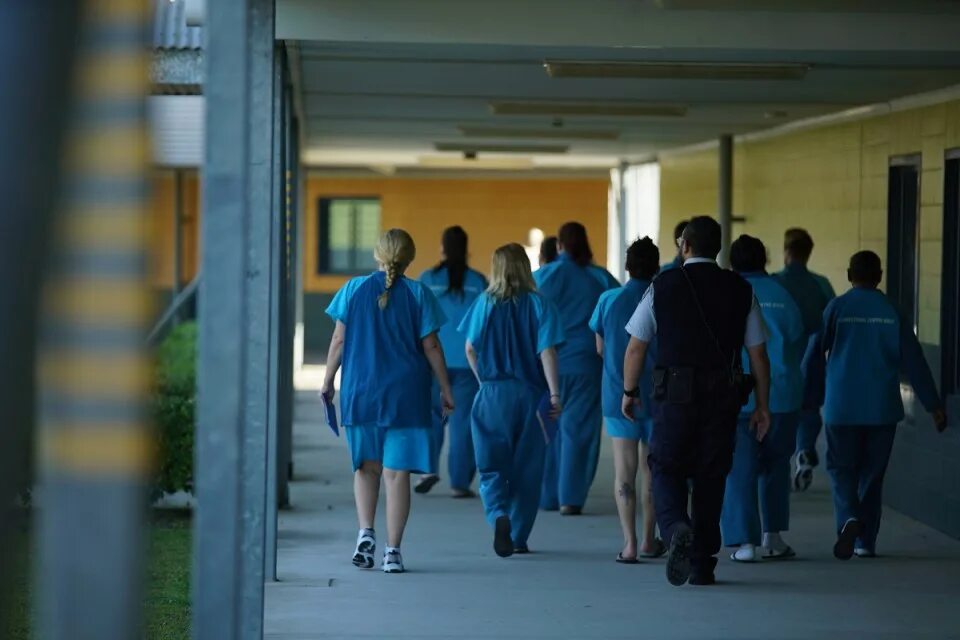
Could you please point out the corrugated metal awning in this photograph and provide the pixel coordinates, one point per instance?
(170, 30)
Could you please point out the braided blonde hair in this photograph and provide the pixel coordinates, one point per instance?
(510, 275)
(394, 251)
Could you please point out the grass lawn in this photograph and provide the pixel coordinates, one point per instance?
(167, 606)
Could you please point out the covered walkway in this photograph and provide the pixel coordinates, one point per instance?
(570, 587)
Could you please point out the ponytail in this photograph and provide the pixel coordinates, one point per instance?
(394, 251)
(454, 243)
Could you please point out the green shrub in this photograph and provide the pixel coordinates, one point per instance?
(173, 409)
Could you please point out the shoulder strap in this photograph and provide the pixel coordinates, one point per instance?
(703, 318)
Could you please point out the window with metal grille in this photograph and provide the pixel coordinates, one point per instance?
(348, 230)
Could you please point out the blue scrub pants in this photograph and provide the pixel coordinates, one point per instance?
(857, 458)
(573, 453)
(510, 446)
(758, 488)
(460, 459)
(808, 430)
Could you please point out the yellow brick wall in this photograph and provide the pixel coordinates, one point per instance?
(492, 211)
(833, 181)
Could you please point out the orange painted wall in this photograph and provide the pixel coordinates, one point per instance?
(493, 211)
(161, 227)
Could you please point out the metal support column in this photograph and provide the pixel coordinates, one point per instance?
(234, 314)
(95, 447)
(274, 415)
(285, 429)
(725, 197)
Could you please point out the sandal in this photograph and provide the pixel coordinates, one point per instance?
(783, 554)
(622, 560)
(659, 550)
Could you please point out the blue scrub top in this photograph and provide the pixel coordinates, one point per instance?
(786, 343)
(454, 305)
(809, 290)
(575, 290)
(508, 336)
(609, 321)
(386, 379)
(866, 347)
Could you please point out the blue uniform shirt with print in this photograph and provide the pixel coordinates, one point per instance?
(454, 305)
(508, 335)
(786, 343)
(609, 321)
(575, 291)
(861, 353)
(386, 380)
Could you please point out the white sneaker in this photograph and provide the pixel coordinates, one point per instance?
(366, 546)
(392, 561)
(746, 553)
(864, 553)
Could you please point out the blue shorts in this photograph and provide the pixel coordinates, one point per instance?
(629, 430)
(397, 448)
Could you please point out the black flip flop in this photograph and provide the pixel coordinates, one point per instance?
(623, 560)
(426, 483)
(649, 555)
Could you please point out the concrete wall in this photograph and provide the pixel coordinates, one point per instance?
(832, 180)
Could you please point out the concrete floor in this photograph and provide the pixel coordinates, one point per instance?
(570, 587)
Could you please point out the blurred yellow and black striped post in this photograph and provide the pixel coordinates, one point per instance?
(94, 447)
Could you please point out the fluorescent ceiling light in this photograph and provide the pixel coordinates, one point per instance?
(466, 147)
(555, 132)
(501, 164)
(626, 109)
(676, 70)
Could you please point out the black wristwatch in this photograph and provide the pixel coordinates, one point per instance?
(634, 393)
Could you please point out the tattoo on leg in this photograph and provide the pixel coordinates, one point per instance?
(627, 492)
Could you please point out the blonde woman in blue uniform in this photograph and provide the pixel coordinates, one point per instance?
(574, 284)
(456, 286)
(630, 437)
(756, 505)
(511, 335)
(386, 341)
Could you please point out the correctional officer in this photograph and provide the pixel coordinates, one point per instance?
(456, 286)
(758, 487)
(574, 284)
(678, 258)
(861, 352)
(811, 292)
(702, 316)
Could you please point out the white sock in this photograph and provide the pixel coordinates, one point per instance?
(746, 552)
(774, 542)
(366, 531)
(391, 550)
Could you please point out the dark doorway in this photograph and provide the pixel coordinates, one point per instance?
(950, 294)
(903, 208)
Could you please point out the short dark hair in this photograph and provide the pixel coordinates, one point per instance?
(573, 237)
(747, 254)
(865, 267)
(702, 234)
(643, 259)
(678, 230)
(798, 243)
(548, 250)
